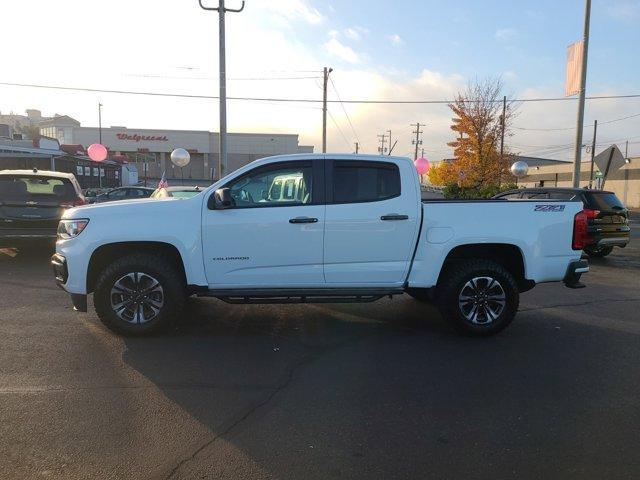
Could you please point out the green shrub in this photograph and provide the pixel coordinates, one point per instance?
(453, 191)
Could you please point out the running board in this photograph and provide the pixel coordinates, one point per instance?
(317, 295)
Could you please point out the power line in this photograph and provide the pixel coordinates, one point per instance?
(295, 100)
(573, 128)
(176, 77)
(339, 129)
(344, 109)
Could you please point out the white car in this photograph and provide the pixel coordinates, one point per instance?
(316, 228)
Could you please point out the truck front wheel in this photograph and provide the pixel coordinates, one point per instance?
(478, 297)
(139, 294)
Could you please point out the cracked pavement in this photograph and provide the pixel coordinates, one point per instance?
(381, 390)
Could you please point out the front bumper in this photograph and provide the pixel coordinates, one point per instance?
(61, 274)
(60, 270)
(574, 272)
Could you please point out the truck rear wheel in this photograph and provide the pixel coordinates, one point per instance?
(139, 294)
(478, 297)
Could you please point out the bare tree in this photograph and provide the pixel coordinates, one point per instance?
(478, 123)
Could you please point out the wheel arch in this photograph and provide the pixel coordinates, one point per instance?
(109, 252)
(508, 255)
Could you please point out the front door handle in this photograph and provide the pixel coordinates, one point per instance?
(394, 216)
(303, 220)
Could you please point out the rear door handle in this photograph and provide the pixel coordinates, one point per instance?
(303, 220)
(394, 216)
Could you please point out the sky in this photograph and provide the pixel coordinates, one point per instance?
(401, 50)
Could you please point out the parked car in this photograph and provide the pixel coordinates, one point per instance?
(354, 230)
(32, 203)
(176, 192)
(608, 219)
(124, 193)
(90, 194)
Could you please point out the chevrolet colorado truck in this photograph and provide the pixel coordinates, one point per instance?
(316, 228)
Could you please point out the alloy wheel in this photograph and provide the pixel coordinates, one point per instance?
(481, 300)
(137, 297)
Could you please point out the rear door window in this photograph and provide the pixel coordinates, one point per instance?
(35, 188)
(568, 196)
(535, 195)
(510, 196)
(355, 182)
(604, 201)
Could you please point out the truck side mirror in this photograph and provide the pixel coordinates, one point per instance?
(221, 199)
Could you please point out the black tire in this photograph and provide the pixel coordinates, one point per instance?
(420, 294)
(598, 251)
(459, 278)
(157, 268)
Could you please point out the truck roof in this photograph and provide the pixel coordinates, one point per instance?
(336, 156)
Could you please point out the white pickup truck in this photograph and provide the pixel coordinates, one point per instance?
(316, 228)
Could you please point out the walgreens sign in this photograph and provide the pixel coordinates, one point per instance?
(142, 138)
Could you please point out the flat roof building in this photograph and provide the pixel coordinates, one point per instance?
(150, 149)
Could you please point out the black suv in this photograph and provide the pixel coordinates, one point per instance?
(124, 193)
(32, 202)
(608, 218)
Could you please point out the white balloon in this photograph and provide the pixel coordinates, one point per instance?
(180, 157)
(519, 169)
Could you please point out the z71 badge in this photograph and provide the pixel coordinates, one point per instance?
(549, 208)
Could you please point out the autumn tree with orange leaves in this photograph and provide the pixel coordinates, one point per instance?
(478, 125)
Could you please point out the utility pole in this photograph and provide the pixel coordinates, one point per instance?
(502, 127)
(382, 142)
(583, 82)
(593, 151)
(325, 81)
(222, 136)
(417, 142)
(99, 141)
(390, 144)
(357, 147)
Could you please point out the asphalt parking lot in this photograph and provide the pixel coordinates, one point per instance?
(383, 390)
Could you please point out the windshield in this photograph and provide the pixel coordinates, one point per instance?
(35, 189)
(185, 193)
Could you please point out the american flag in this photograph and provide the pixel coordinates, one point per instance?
(163, 182)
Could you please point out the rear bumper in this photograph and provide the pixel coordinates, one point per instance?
(27, 233)
(574, 272)
(613, 242)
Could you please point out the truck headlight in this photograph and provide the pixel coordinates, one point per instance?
(71, 228)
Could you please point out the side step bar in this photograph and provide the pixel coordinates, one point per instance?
(314, 295)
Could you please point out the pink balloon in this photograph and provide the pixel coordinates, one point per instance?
(422, 165)
(97, 152)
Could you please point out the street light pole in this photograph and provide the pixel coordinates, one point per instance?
(100, 123)
(222, 142)
(583, 82)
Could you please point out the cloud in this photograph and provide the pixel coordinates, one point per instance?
(355, 33)
(624, 10)
(295, 10)
(396, 40)
(343, 52)
(505, 34)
